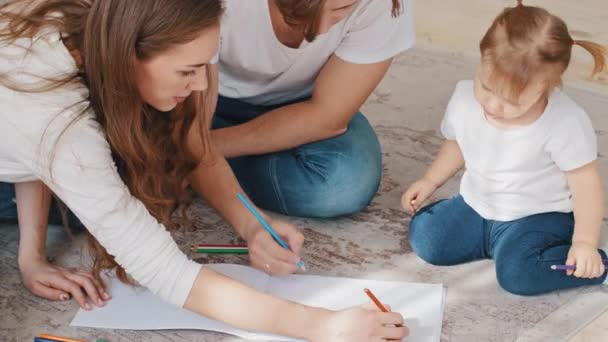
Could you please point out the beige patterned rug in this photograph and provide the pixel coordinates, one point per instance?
(406, 111)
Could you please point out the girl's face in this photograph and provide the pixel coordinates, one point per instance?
(169, 78)
(498, 106)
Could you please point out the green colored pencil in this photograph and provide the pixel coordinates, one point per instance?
(220, 249)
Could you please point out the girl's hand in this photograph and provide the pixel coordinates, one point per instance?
(60, 284)
(416, 194)
(587, 259)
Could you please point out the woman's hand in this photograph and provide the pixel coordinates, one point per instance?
(267, 254)
(60, 284)
(362, 324)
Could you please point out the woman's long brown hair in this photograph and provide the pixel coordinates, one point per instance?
(149, 147)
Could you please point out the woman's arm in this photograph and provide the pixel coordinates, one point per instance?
(214, 180)
(39, 276)
(224, 299)
(33, 204)
(219, 297)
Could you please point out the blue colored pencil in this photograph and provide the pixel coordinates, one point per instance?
(571, 267)
(266, 226)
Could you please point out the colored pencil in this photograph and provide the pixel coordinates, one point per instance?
(266, 226)
(57, 338)
(40, 339)
(374, 299)
(571, 267)
(205, 245)
(220, 249)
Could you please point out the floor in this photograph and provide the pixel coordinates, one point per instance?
(372, 244)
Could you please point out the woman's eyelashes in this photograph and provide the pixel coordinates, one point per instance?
(187, 73)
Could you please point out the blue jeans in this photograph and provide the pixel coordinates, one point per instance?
(328, 178)
(8, 208)
(450, 232)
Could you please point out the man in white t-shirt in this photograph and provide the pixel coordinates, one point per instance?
(293, 75)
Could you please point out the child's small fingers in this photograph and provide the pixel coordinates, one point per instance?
(590, 269)
(586, 270)
(570, 261)
(594, 268)
(597, 270)
(581, 269)
(413, 207)
(408, 197)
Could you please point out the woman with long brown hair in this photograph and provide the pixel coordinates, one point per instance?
(105, 103)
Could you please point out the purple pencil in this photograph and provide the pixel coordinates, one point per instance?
(571, 267)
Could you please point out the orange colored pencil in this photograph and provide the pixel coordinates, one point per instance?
(59, 338)
(377, 302)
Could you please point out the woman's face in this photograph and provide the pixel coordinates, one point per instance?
(168, 79)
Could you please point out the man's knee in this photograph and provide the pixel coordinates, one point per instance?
(339, 184)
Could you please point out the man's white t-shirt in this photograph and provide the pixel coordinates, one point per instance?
(257, 68)
(75, 161)
(510, 174)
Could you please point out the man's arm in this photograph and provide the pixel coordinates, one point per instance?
(339, 91)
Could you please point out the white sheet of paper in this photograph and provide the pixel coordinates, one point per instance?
(137, 309)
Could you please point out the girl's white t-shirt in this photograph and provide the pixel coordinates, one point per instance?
(510, 174)
(257, 68)
(78, 166)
